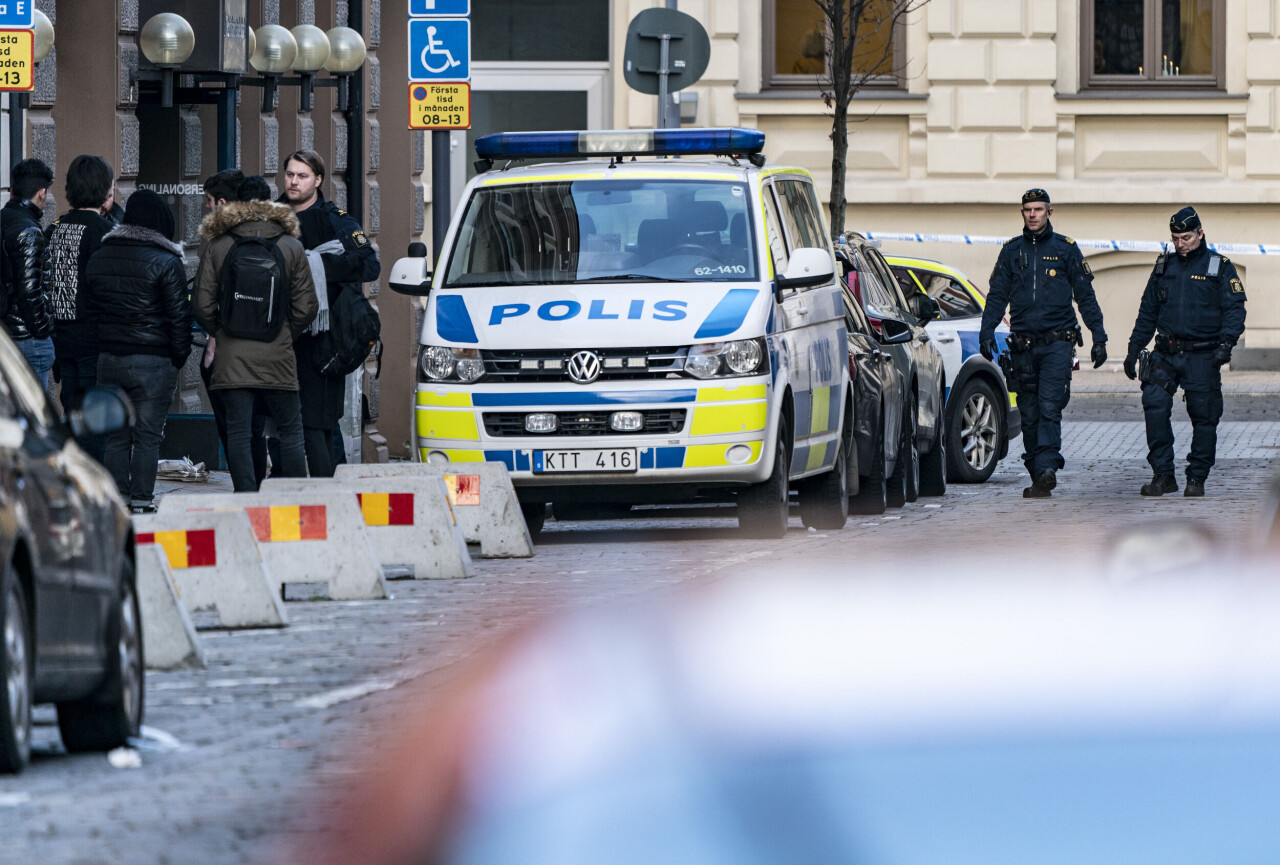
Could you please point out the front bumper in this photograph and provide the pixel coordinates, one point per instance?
(721, 440)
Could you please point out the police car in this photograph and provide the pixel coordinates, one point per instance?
(628, 327)
(982, 415)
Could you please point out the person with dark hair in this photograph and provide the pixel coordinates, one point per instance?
(222, 188)
(248, 371)
(254, 188)
(135, 293)
(70, 241)
(25, 304)
(343, 256)
(219, 190)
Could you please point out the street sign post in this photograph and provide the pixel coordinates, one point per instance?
(440, 106)
(439, 49)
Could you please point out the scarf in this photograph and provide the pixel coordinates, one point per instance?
(316, 263)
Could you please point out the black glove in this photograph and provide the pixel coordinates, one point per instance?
(1098, 354)
(1131, 366)
(1222, 355)
(988, 348)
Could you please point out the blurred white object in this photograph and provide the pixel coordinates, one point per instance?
(124, 758)
(182, 470)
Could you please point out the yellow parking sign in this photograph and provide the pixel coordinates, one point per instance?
(17, 59)
(440, 106)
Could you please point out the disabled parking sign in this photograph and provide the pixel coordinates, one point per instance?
(439, 49)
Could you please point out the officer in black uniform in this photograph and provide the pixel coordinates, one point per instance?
(1194, 304)
(1037, 276)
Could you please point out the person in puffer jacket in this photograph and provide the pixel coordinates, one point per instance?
(25, 304)
(135, 291)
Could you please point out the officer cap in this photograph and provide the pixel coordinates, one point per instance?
(1185, 219)
(1035, 195)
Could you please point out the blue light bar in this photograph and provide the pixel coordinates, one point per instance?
(621, 142)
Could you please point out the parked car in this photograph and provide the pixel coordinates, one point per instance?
(72, 632)
(900, 328)
(982, 415)
(879, 398)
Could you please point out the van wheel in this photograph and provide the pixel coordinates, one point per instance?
(824, 500)
(870, 497)
(933, 467)
(764, 509)
(535, 516)
(904, 483)
(16, 662)
(974, 441)
(109, 717)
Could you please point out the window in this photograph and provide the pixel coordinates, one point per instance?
(1152, 43)
(532, 31)
(800, 215)
(796, 44)
(777, 245)
(952, 298)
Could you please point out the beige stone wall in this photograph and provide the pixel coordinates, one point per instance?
(993, 106)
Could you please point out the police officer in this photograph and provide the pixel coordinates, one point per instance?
(1194, 304)
(1037, 276)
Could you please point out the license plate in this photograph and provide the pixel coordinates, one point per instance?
(602, 460)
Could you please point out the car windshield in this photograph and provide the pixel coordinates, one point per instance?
(604, 231)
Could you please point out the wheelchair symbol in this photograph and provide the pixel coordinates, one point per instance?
(435, 48)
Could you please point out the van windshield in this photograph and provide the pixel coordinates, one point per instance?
(605, 231)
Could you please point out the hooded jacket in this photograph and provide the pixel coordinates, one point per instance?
(247, 363)
(135, 293)
(25, 304)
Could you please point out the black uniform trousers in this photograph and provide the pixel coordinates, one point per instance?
(1201, 383)
(1042, 411)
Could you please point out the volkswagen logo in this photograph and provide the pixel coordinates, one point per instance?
(584, 367)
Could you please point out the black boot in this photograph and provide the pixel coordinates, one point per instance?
(1161, 484)
(1195, 488)
(1041, 485)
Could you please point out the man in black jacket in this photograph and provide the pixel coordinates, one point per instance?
(1037, 276)
(348, 260)
(71, 240)
(25, 305)
(135, 293)
(1194, 304)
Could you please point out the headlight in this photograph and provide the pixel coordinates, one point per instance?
(441, 363)
(741, 357)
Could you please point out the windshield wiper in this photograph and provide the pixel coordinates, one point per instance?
(631, 277)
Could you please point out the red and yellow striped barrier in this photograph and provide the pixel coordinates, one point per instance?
(386, 509)
(289, 523)
(186, 549)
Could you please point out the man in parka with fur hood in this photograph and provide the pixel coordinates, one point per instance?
(246, 370)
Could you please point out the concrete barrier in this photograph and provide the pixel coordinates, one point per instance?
(216, 564)
(484, 501)
(304, 537)
(168, 638)
(409, 521)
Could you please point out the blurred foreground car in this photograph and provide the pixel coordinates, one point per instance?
(68, 602)
(818, 718)
(982, 416)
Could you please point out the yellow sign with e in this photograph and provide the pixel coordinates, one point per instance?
(440, 106)
(17, 60)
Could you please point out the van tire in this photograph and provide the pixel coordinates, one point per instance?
(535, 516)
(764, 509)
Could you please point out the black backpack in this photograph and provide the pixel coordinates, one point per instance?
(353, 331)
(253, 289)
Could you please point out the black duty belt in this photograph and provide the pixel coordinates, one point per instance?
(1170, 345)
(1026, 341)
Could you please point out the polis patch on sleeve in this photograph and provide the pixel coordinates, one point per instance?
(1084, 262)
(359, 238)
(1237, 287)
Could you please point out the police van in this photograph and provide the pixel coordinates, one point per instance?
(653, 317)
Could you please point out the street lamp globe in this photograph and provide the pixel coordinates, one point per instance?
(275, 51)
(313, 48)
(167, 39)
(346, 51)
(44, 34)
(253, 41)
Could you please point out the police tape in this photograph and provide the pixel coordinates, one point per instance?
(1103, 245)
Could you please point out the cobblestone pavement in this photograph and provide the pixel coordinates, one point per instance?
(279, 712)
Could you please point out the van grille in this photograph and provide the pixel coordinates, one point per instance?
(585, 423)
(619, 364)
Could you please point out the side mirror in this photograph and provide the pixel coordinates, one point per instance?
(924, 307)
(104, 409)
(894, 332)
(808, 266)
(412, 275)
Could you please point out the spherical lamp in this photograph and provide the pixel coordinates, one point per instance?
(253, 41)
(275, 51)
(313, 48)
(346, 51)
(167, 39)
(44, 34)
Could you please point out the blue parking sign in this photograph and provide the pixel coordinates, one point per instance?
(18, 13)
(456, 8)
(439, 49)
